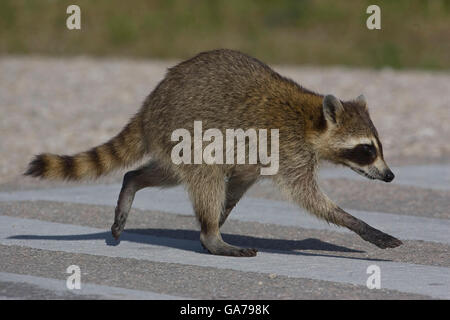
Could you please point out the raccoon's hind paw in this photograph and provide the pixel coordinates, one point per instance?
(116, 231)
(217, 246)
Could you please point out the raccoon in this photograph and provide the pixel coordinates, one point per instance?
(229, 89)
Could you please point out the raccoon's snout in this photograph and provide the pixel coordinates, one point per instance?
(373, 173)
(388, 176)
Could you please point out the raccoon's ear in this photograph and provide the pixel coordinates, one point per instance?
(332, 108)
(361, 100)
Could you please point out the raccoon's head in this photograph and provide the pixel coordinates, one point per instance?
(351, 138)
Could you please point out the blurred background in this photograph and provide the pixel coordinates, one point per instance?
(63, 91)
(415, 33)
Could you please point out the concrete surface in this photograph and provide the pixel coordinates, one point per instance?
(161, 230)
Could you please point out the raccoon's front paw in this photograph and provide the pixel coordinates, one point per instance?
(380, 239)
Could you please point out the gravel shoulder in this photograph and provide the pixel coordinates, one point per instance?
(66, 105)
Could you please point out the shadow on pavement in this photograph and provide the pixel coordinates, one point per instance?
(173, 238)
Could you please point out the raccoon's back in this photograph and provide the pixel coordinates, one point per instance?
(222, 88)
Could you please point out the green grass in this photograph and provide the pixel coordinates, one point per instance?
(414, 33)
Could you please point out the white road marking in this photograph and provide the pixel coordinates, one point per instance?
(175, 200)
(105, 292)
(419, 279)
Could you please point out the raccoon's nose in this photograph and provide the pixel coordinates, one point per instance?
(388, 175)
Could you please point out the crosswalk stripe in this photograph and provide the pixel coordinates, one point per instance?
(176, 201)
(87, 289)
(426, 280)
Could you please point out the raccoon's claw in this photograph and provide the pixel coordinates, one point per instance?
(218, 247)
(387, 241)
(380, 239)
(247, 252)
(238, 252)
(235, 252)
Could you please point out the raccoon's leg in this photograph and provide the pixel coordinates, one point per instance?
(237, 185)
(207, 192)
(150, 175)
(365, 231)
(306, 192)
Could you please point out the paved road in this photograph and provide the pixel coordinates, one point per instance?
(44, 231)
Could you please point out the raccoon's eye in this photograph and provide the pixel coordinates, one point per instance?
(362, 154)
(368, 148)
